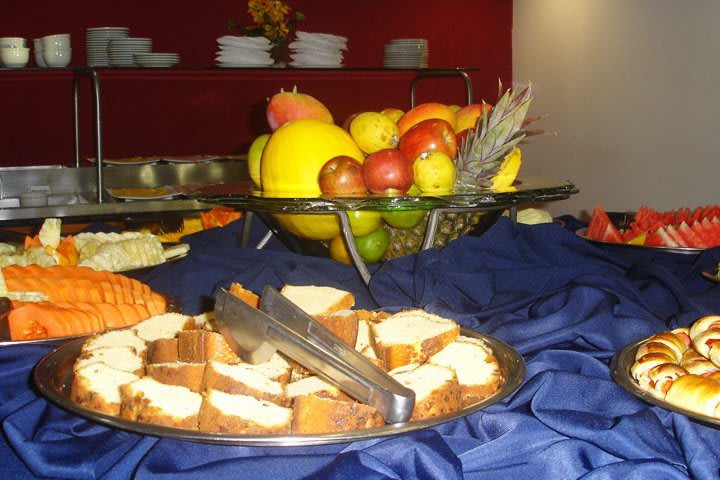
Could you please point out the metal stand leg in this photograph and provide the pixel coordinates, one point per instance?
(76, 122)
(352, 249)
(443, 73)
(98, 135)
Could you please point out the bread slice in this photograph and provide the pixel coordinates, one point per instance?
(245, 295)
(116, 338)
(162, 350)
(121, 358)
(149, 401)
(364, 343)
(315, 386)
(476, 367)
(242, 414)
(411, 336)
(188, 375)
(198, 346)
(277, 369)
(166, 325)
(313, 414)
(316, 300)
(240, 379)
(696, 393)
(97, 386)
(343, 323)
(437, 391)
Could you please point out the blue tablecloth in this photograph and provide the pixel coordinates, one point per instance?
(565, 304)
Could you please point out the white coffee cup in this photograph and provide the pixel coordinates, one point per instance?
(61, 41)
(57, 57)
(12, 42)
(13, 57)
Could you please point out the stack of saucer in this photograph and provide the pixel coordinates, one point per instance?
(406, 53)
(96, 44)
(317, 50)
(121, 51)
(235, 51)
(156, 60)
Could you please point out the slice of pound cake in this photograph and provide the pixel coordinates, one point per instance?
(149, 401)
(97, 386)
(318, 300)
(437, 391)
(236, 413)
(240, 379)
(474, 364)
(313, 414)
(411, 336)
(121, 358)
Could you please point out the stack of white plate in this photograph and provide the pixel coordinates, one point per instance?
(406, 53)
(235, 51)
(317, 50)
(121, 51)
(96, 44)
(156, 59)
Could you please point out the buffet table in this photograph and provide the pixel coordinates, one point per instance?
(565, 304)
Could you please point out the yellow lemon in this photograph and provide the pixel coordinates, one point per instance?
(373, 131)
(313, 227)
(295, 152)
(393, 114)
(509, 169)
(254, 156)
(434, 173)
(338, 250)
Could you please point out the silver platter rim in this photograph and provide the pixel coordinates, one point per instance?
(53, 377)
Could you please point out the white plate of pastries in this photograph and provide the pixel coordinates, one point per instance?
(677, 369)
(174, 376)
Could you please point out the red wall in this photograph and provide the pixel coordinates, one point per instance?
(218, 110)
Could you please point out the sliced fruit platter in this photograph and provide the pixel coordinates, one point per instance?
(41, 303)
(685, 228)
(114, 252)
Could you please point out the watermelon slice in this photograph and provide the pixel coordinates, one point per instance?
(612, 234)
(660, 238)
(690, 237)
(673, 233)
(599, 222)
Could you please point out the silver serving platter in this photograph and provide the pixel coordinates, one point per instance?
(620, 372)
(53, 376)
(684, 250)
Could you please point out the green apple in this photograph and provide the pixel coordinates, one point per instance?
(254, 156)
(403, 218)
(372, 246)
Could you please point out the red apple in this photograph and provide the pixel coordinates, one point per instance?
(388, 171)
(431, 135)
(348, 120)
(342, 175)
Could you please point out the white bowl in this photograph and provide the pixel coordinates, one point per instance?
(14, 57)
(61, 41)
(57, 57)
(13, 42)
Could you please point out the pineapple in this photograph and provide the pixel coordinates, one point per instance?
(480, 161)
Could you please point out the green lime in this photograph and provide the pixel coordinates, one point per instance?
(373, 245)
(403, 218)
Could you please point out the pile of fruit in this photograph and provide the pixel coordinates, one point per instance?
(432, 149)
(685, 227)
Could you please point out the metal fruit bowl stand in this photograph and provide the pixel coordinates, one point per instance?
(243, 196)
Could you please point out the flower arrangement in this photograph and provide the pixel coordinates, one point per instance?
(274, 20)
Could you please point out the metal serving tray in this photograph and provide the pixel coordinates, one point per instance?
(620, 372)
(53, 376)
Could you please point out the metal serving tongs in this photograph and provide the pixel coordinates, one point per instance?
(255, 334)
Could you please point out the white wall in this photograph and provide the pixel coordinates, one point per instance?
(632, 88)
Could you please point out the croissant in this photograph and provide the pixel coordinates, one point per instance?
(696, 364)
(661, 377)
(660, 349)
(705, 334)
(696, 394)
